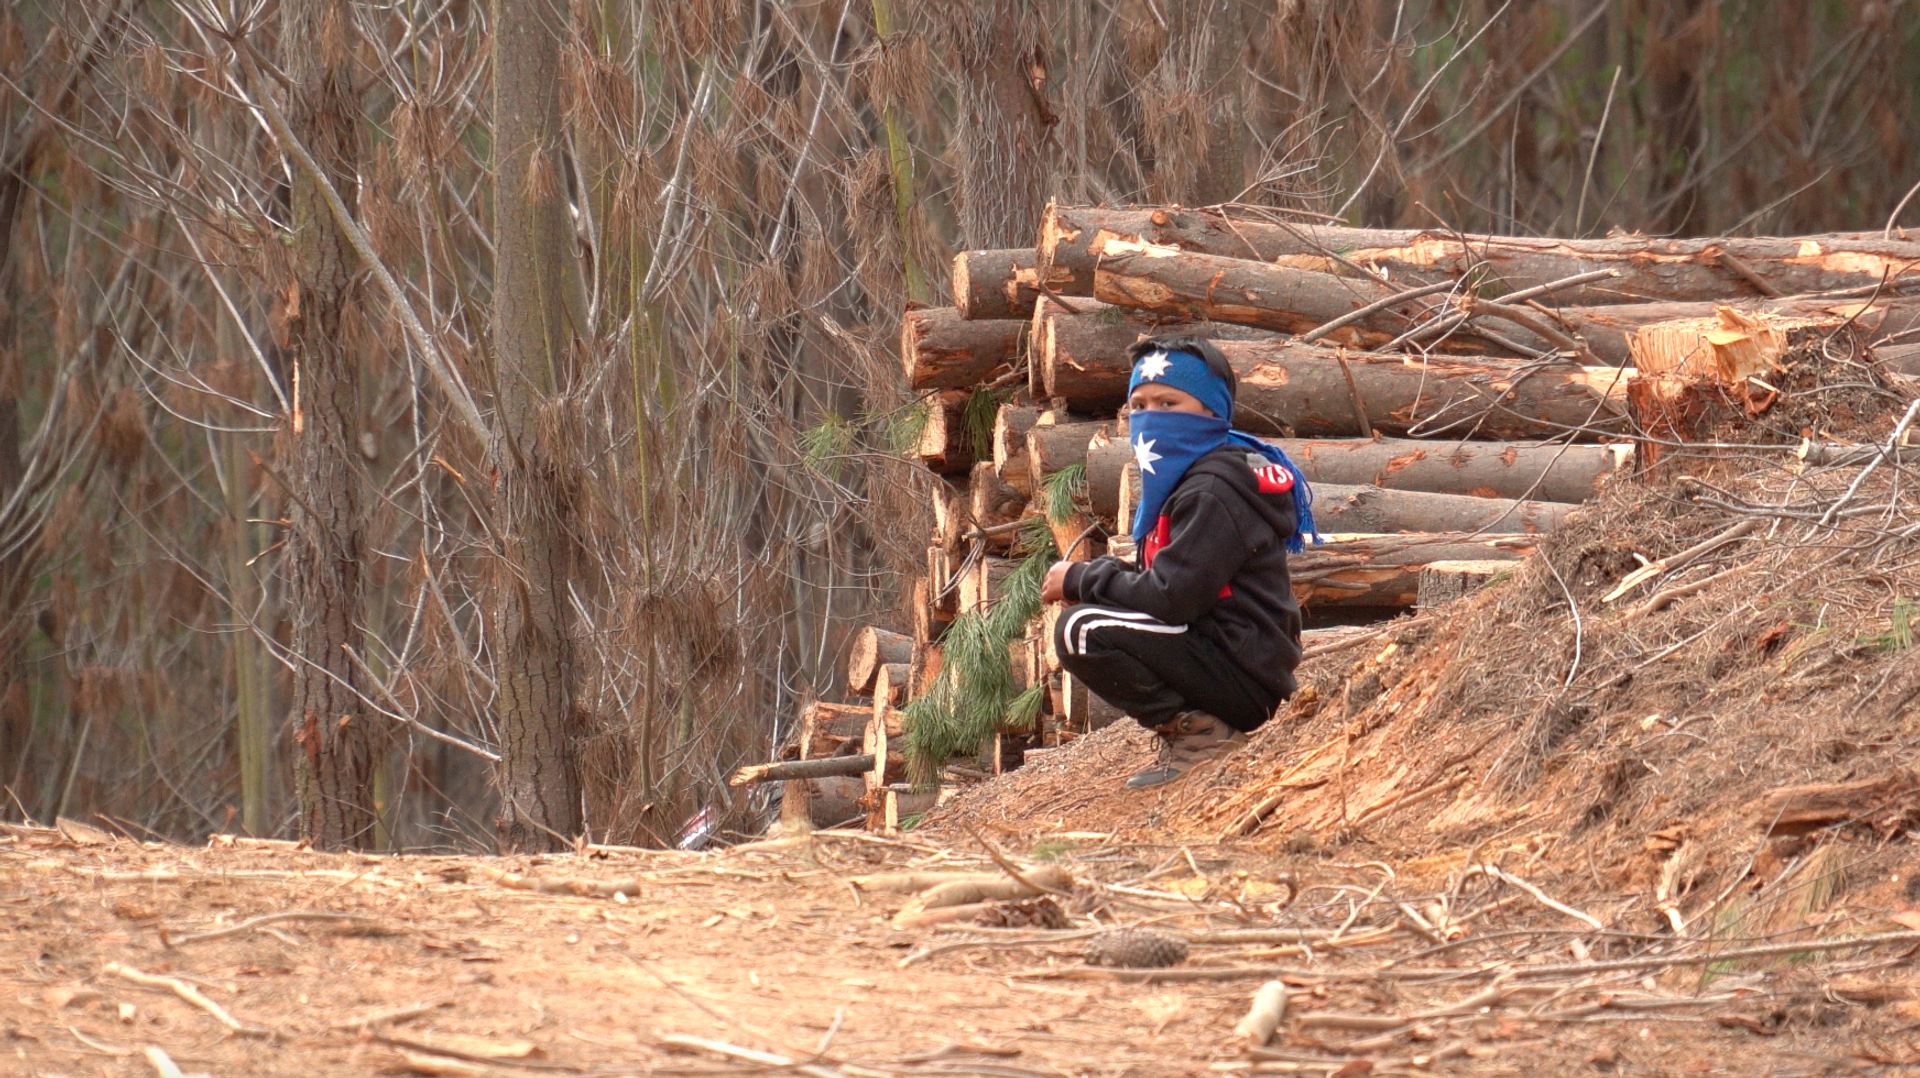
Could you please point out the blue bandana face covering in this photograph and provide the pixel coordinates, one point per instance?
(1166, 443)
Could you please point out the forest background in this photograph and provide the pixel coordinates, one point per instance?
(428, 423)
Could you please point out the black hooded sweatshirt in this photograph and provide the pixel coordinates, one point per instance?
(1217, 563)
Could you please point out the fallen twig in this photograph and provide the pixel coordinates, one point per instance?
(273, 918)
(450, 1052)
(561, 885)
(190, 994)
(1540, 896)
(398, 1014)
(163, 1064)
(749, 1055)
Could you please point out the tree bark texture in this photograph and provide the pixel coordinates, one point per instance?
(1010, 426)
(872, 649)
(336, 741)
(996, 283)
(1003, 118)
(941, 349)
(1383, 571)
(946, 442)
(1650, 268)
(1553, 473)
(1302, 391)
(538, 315)
(1082, 357)
(1339, 508)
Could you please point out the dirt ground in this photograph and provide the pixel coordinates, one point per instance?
(438, 967)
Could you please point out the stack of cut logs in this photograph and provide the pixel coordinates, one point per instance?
(1450, 398)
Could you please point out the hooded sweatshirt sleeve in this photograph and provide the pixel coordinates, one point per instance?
(1207, 544)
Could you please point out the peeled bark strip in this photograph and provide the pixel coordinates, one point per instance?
(872, 649)
(1649, 268)
(941, 350)
(997, 284)
(946, 445)
(1082, 357)
(1549, 473)
(1355, 509)
(952, 514)
(1385, 570)
(1304, 388)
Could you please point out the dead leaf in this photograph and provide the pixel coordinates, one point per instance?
(61, 998)
(1906, 919)
(1357, 1068)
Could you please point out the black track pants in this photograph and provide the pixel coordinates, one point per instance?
(1154, 671)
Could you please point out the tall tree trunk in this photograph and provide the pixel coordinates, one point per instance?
(326, 535)
(538, 316)
(1195, 120)
(1679, 35)
(1004, 119)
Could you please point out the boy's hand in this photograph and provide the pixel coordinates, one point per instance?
(1053, 588)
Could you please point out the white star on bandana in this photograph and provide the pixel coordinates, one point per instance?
(1154, 365)
(1143, 452)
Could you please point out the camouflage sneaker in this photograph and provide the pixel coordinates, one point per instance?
(1192, 738)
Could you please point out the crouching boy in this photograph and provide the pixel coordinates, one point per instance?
(1199, 640)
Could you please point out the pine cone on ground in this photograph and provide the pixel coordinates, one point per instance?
(1136, 948)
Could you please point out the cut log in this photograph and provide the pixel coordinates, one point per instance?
(994, 505)
(930, 619)
(881, 744)
(1384, 570)
(1076, 354)
(1444, 581)
(1305, 389)
(952, 513)
(1010, 426)
(1108, 455)
(874, 648)
(1178, 287)
(1052, 447)
(946, 445)
(941, 350)
(1355, 509)
(1550, 473)
(802, 769)
(1886, 803)
(827, 728)
(890, 685)
(1649, 268)
(996, 284)
(1086, 711)
(981, 584)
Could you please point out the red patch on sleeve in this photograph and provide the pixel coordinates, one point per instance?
(1274, 479)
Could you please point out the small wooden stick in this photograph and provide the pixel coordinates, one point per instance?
(734, 1051)
(268, 919)
(564, 885)
(1263, 1017)
(162, 1063)
(1541, 896)
(400, 1014)
(190, 994)
(1009, 867)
